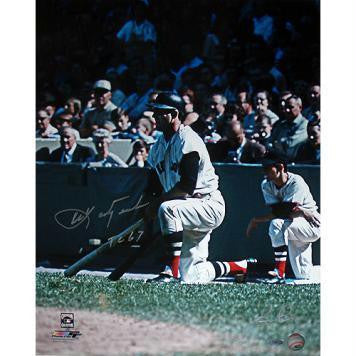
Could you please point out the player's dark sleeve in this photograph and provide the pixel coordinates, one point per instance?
(154, 186)
(188, 171)
(283, 210)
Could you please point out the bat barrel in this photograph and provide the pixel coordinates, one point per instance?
(77, 266)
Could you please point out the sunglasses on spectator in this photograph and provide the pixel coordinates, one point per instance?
(100, 92)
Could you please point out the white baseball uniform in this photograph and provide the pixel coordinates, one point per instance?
(297, 233)
(196, 217)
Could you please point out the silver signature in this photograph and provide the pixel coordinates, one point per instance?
(72, 218)
(110, 212)
(134, 237)
(135, 207)
(78, 217)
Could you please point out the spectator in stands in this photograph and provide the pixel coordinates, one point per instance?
(263, 130)
(73, 106)
(70, 151)
(190, 118)
(282, 103)
(217, 104)
(214, 118)
(154, 133)
(236, 148)
(45, 129)
(144, 130)
(244, 101)
(123, 126)
(309, 152)
(290, 133)
(63, 120)
(140, 153)
(262, 102)
(233, 112)
(100, 115)
(121, 120)
(312, 112)
(188, 97)
(139, 29)
(104, 158)
(50, 110)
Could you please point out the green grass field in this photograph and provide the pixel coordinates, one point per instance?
(256, 313)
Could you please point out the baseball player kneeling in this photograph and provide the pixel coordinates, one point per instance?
(294, 219)
(191, 206)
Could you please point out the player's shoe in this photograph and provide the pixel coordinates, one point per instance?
(163, 278)
(276, 280)
(275, 273)
(241, 277)
(276, 277)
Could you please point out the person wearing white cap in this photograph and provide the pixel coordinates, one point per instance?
(105, 158)
(100, 115)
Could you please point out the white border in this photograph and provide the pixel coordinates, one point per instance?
(338, 177)
(17, 303)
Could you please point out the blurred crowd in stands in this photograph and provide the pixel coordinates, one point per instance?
(248, 72)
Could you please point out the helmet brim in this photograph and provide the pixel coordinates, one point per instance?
(161, 106)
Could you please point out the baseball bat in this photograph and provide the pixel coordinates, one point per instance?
(113, 241)
(130, 261)
(147, 240)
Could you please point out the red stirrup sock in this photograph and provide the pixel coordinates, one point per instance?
(280, 257)
(229, 268)
(173, 250)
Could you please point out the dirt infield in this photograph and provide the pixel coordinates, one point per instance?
(109, 334)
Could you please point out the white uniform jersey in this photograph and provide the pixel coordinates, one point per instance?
(165, 158)
(295, 190)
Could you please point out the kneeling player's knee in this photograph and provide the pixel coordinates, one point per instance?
(164, 211)
(202, 272)
(169, 222)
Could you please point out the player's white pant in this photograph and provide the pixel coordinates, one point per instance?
(196, 218)
(298, 234)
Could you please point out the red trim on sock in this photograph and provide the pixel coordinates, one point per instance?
(175, 266)
(281, 267)
(235, 268)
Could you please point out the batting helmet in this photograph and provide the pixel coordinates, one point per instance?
(168, 101)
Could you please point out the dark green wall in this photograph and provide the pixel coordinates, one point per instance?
(63, 190)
